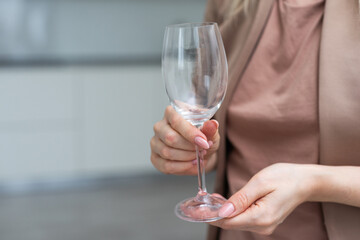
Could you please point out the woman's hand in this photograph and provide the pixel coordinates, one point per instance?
(173, 145)
(273, 193)
(267, 199)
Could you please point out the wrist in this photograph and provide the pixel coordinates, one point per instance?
(338, 184)
(328, 184)
(315, 180)
(320, 183)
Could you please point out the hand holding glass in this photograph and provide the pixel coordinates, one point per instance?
(195, 72)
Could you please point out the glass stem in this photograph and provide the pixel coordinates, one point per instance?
(201, 172)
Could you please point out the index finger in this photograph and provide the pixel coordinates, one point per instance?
(184, 128)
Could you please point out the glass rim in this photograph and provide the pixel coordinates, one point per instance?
(192, 25)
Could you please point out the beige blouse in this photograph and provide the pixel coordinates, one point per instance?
(273, 115)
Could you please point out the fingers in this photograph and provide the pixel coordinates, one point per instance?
(170, 153)
(244, 198)
(248, 209)
(170, 137)
(185, 129)
(264, 202)
(173, 167)
(218, 196)
(210, 129)
(257, 218)
(173, 145)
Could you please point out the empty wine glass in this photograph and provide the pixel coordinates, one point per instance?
(195, 73)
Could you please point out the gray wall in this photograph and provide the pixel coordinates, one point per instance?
(69, 29)
(71, 121)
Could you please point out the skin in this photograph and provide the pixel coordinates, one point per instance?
(270, 195)
(173, 144)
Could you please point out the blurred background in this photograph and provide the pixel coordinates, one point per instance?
(80, 89)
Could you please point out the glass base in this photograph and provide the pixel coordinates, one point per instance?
(202, 208)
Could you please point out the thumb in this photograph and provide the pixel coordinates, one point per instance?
(210, 128)
(243, 199)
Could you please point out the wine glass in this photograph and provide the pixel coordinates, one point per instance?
(195, 73)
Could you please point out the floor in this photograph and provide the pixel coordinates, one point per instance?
(133, 208)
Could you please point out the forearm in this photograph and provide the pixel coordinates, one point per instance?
(339, 184)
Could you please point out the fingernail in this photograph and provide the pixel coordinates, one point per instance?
(211, 143)
(226, 210)
(217, 123)
(201, 142)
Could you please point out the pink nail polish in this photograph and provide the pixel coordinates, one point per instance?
(226, 210)
(202, 142)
